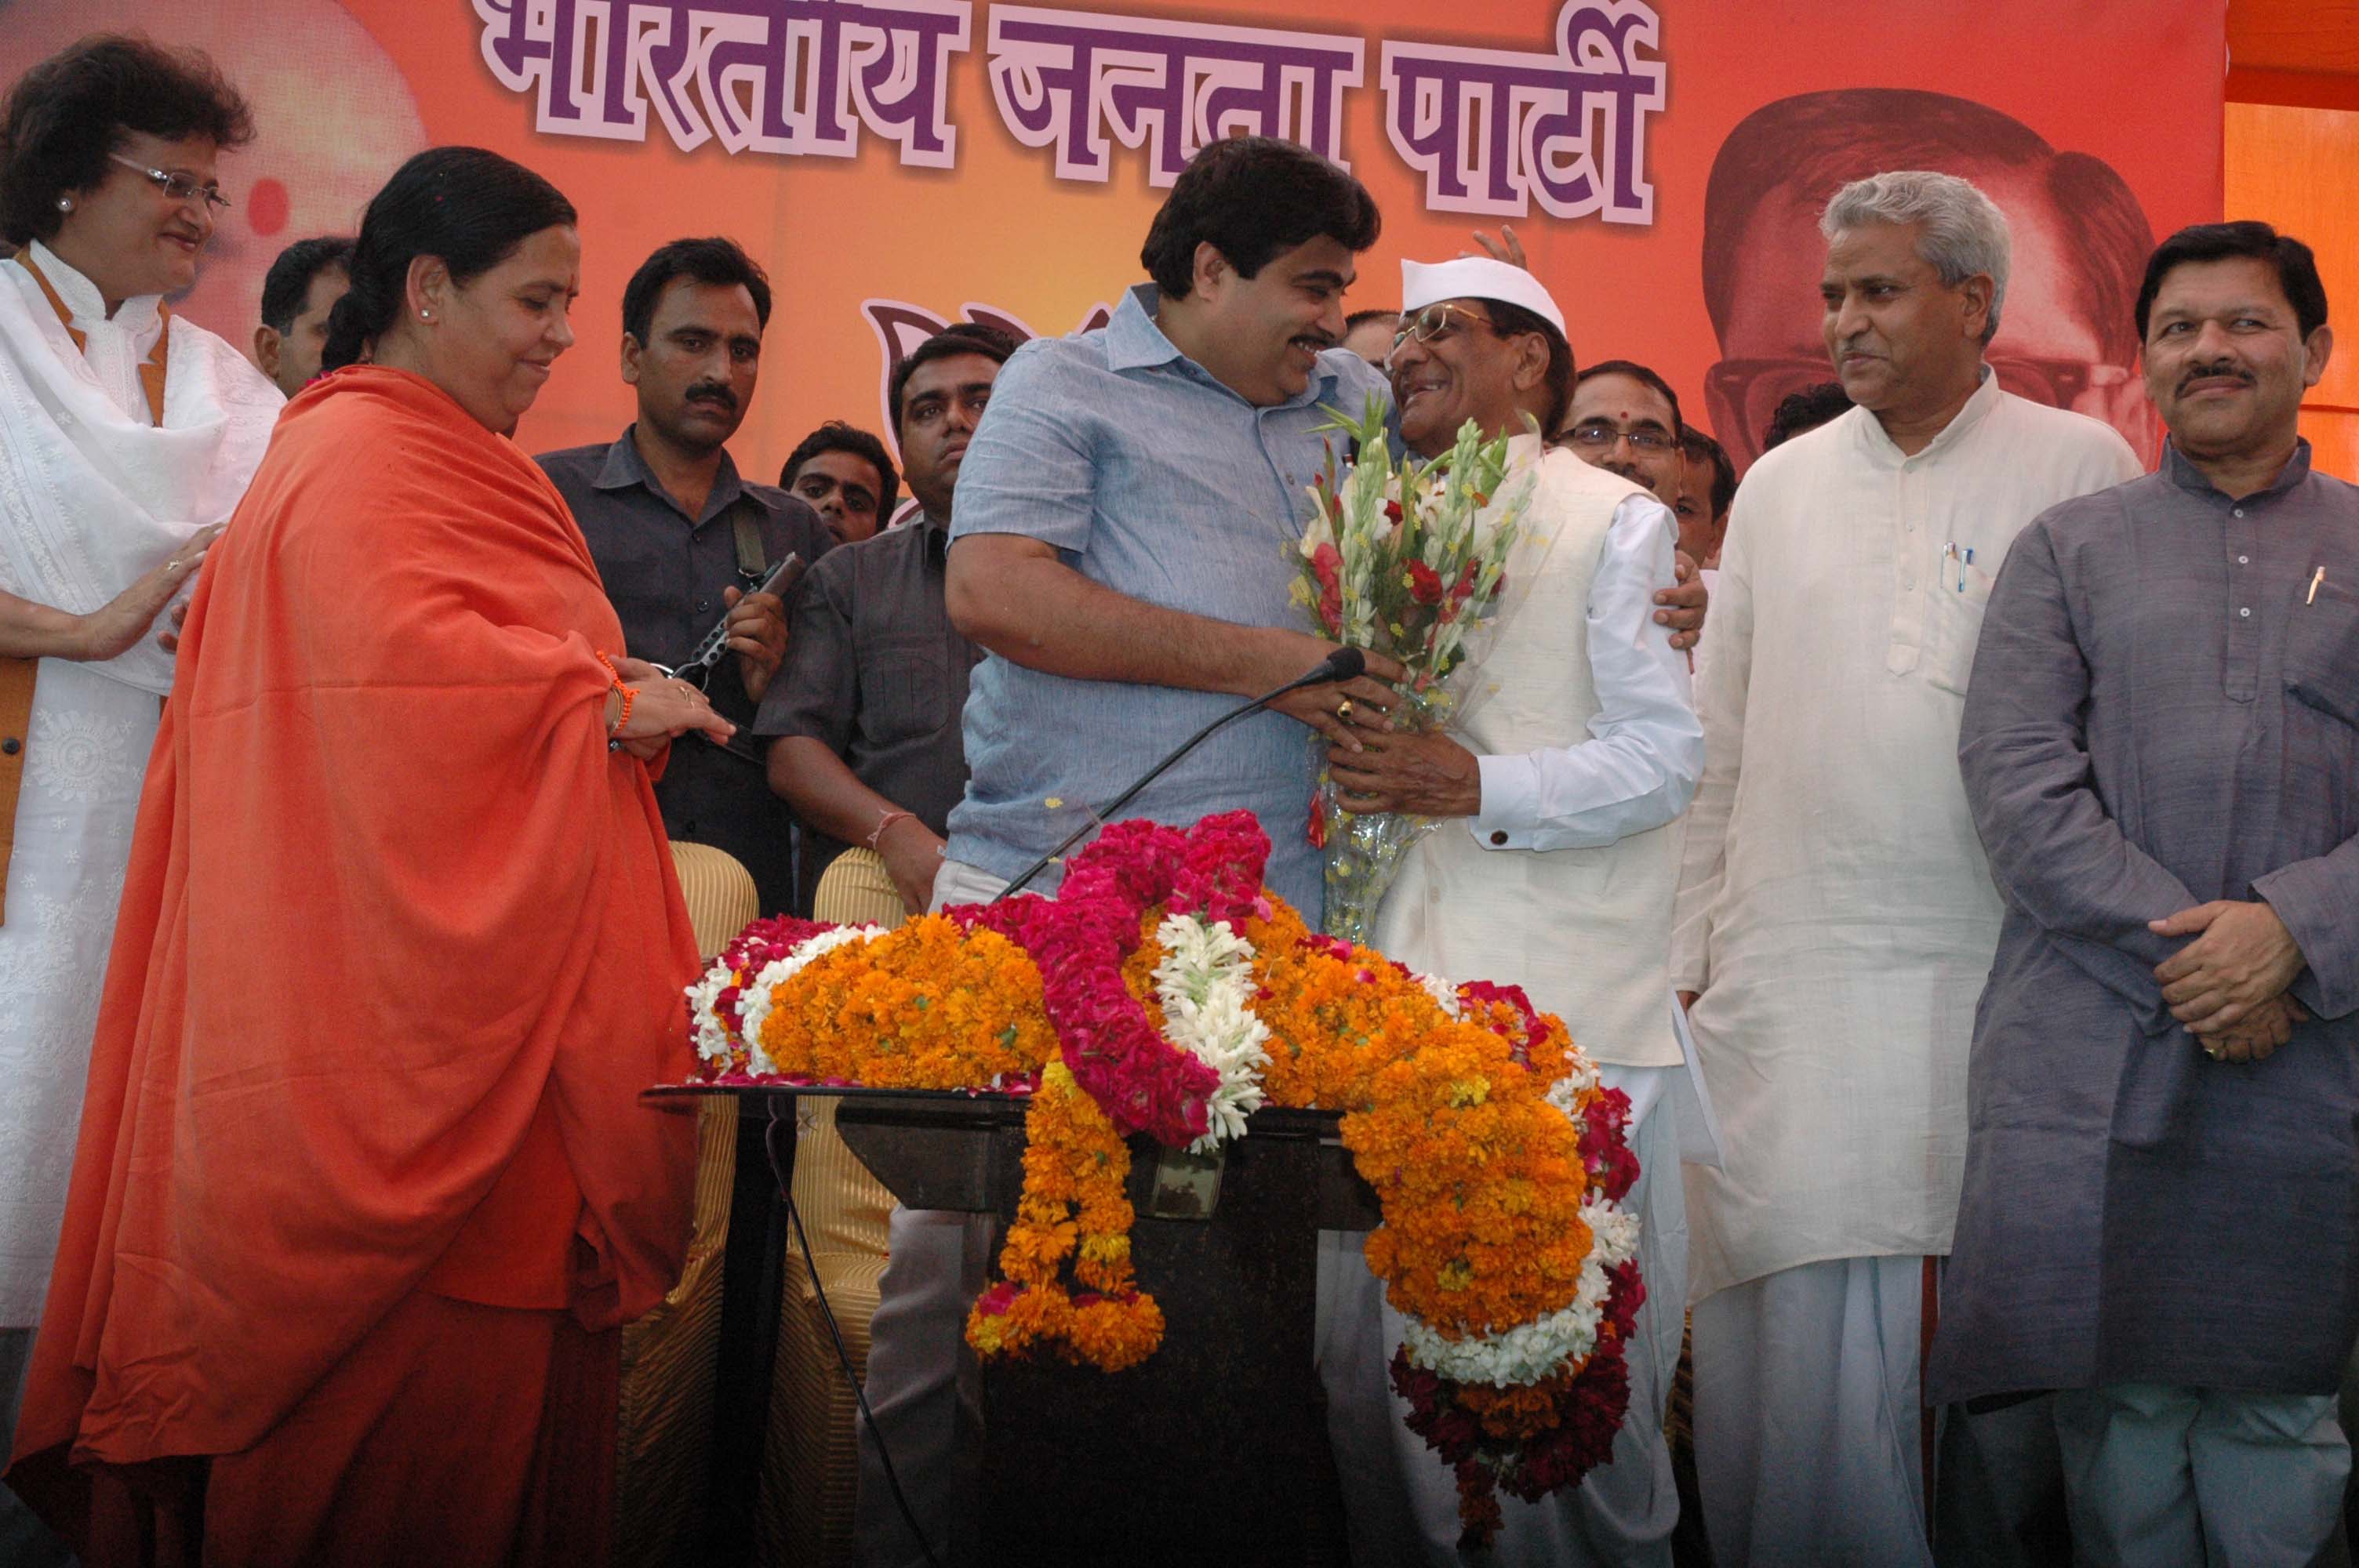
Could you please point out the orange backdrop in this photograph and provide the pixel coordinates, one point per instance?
(343, 91)
(2292, 166)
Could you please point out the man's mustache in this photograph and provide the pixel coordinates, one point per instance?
(2222, 370)
(713, 391)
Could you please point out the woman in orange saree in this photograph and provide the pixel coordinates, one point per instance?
(364, 1187)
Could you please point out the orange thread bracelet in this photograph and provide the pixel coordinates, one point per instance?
(629, 695)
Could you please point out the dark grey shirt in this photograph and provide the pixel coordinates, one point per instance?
(2162, 713)
(879, 674)
(664, 572)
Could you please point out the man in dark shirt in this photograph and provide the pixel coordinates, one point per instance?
(868, 748)
(681, 540)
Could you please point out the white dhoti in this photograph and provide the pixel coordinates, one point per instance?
(1400, 1503)
(2155, 1473)
(1810, 1440)
(925, 1391)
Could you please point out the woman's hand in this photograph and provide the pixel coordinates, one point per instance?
(666, 707)
(117, 626)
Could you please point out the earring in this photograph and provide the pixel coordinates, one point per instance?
(65, 203)
(425, 315)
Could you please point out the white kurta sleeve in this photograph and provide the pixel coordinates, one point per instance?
(1644, 750)
(1723, 674)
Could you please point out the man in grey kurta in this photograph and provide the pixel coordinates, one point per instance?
(2159, 1236)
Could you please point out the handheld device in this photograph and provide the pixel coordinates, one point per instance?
(698, 666)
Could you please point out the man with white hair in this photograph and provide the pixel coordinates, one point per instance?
(1557, 874)
(1836, 916)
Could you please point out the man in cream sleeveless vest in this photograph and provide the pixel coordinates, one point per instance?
(1568, 773)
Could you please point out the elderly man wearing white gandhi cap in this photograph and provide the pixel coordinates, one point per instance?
(1569, 778)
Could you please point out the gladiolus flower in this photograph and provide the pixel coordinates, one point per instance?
(1424, 583)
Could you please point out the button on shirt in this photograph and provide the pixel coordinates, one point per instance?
(1153, 479)
(665, 572)
(878, 675)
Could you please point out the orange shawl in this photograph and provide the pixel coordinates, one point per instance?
(399, 946)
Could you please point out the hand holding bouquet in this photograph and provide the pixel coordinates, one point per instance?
(1406, 561)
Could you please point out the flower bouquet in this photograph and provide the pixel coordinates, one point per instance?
(1164, 992)
(1404, 561)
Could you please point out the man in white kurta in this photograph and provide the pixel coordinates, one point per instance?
(1836, 916)
(1566, 776)
(95, 492)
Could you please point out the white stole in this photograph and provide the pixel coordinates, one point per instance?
(90, 494)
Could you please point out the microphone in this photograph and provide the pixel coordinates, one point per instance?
(1343, 664)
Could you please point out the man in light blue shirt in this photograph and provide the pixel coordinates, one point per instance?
(1119, 545)
(1123, 522)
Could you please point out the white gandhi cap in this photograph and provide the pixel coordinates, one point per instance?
(1475, 277)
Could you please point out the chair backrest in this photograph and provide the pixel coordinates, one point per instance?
(719, 893)
(856, 889)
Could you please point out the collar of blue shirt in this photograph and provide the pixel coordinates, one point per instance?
(1133, 341)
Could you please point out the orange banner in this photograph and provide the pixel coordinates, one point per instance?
(899, 163)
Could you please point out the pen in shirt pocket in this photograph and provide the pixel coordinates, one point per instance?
(2316, 578)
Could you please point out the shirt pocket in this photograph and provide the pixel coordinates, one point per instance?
(2322, 658)
(1953, 623)
(904, 692)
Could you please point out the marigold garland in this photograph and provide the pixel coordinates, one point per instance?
(1163, 991)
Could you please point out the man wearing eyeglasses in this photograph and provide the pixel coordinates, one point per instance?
(1558, 875)
(1625, 418)
(1837, 917)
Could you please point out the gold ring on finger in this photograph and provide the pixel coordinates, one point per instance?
(1343, 708)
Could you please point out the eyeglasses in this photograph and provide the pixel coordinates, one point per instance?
(1597, 436)
(1432, 324)
(1754, 388)
(177, 187)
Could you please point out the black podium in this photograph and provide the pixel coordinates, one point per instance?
(1214, 1449)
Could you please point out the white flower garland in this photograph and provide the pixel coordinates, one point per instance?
(703, 1012)
(758, 1000)
(1206, 986)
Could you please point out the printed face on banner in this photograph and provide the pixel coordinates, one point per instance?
(2080, 240)
(1664, 161)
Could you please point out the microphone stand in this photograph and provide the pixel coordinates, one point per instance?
(1343, 664)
